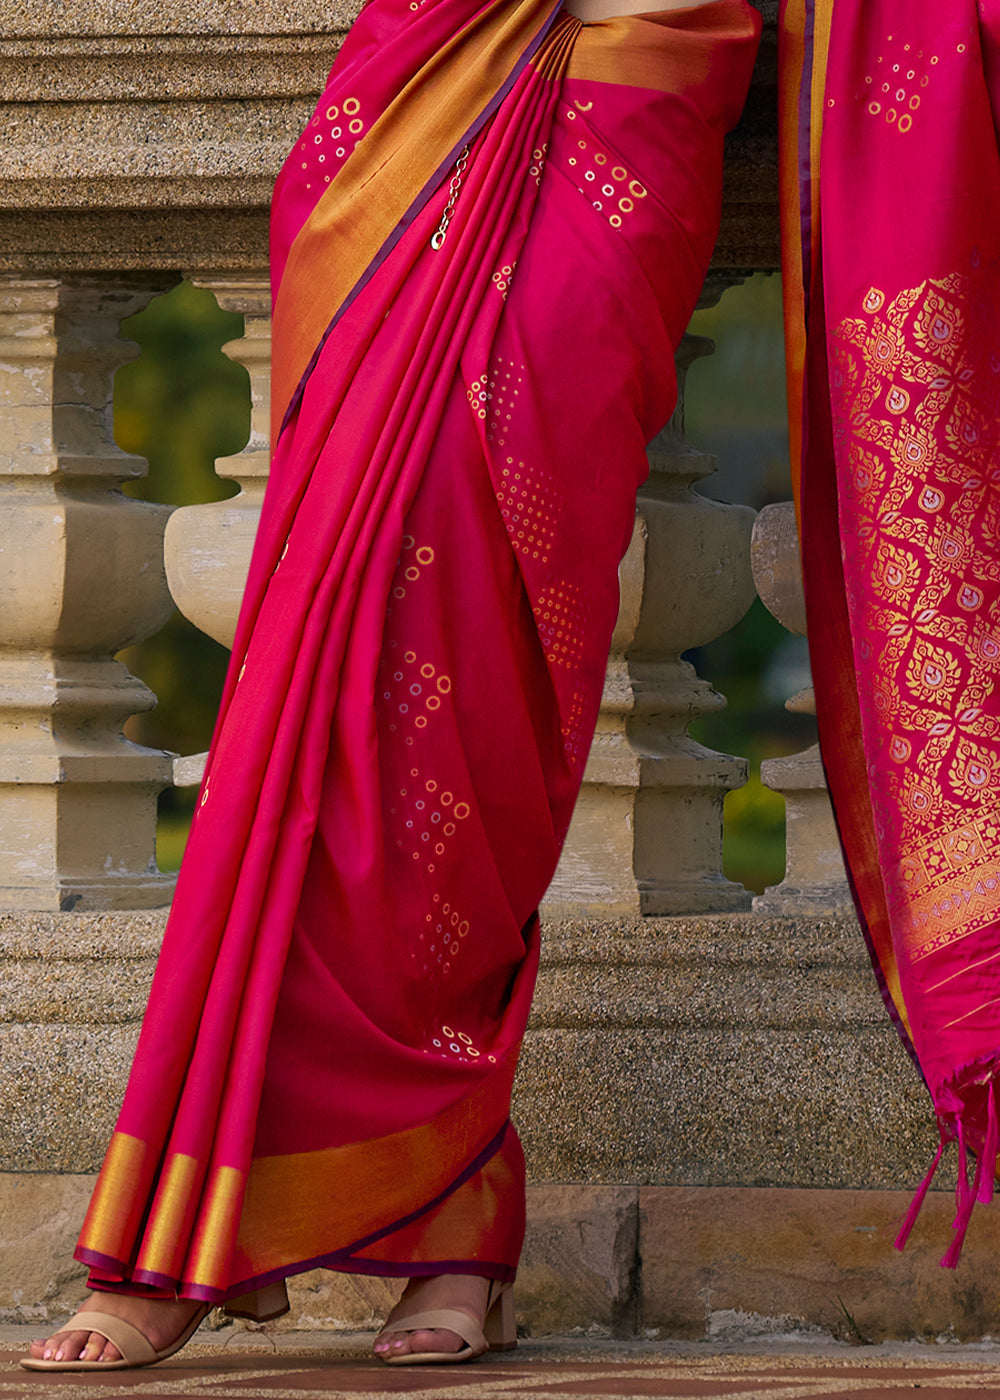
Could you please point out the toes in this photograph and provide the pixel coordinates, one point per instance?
(403, 1343)
(392, 1344)
(98, 1348)
(435, 1341)
(65, 1346)
(75, 1346)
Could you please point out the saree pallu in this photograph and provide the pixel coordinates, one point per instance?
(486, 246)
(891, 209)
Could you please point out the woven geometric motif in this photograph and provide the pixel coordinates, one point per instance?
(598, 172)
(918, 430)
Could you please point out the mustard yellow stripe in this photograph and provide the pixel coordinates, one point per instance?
(165, 1242)
(120, 1198)
(822, 24)
(642, 51)
(211, 1250)
(384, 175)
(304, 1204)
(474, 1222)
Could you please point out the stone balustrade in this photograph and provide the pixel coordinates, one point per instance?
(725, 1062)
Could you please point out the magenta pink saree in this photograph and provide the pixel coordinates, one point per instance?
(892, 219)
(486, 245)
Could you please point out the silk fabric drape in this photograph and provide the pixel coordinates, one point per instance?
(891, 204)
(324, 1071)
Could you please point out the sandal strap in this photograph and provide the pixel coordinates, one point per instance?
(443, 1319)
(134, 1347)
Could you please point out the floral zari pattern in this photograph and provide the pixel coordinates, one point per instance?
(919, 381)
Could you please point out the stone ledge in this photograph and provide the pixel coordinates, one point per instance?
(75, 938)
(173, 122)
(720, 1264)
(133, 68)
(735, 1050)
(722, 1050)
(119, 241)
(44, 20)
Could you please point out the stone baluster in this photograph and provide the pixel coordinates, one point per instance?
(81, 577)
(814, 882)
(207, 547)
(646, 836)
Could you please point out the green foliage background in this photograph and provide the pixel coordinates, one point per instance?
(182, 403)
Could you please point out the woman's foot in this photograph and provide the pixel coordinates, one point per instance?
(464, 1293)
(160, 1320)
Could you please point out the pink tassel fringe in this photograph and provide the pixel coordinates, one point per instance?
(918, 1199)
(988, 1158)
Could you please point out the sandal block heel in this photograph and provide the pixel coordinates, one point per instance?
(500, 1326)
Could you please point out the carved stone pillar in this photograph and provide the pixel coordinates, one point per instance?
(815, 881)
(646, 837)
(80, 578)
(207, 548)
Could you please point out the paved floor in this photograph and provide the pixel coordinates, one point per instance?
(319, 1367)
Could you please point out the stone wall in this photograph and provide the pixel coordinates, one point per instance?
(146, 136)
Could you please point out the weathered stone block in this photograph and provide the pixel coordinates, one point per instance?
(741, 1261)
(147, 135)
(40, 1218)
(578, 1270)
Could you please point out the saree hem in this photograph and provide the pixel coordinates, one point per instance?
(374, 1268)
(344, 1259)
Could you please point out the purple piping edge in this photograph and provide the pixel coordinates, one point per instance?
(333, 1259)
(805, 143)
(419, 203)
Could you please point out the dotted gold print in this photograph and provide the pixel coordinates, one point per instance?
(575, 734)
(600, 177)
(494, 394)
(503, 277)
(413, 559)
(418, 690)
(331, 136)
(432, 815)
(530, 507)
(430, 818)
(444, 935)
(895, 89)
(538, 162)
(559, 615)
(448, 1040)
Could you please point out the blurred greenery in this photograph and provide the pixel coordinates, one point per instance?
(183, 403)
(736, 409)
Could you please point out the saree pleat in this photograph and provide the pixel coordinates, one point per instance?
(325, 1069)
(891, 202)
